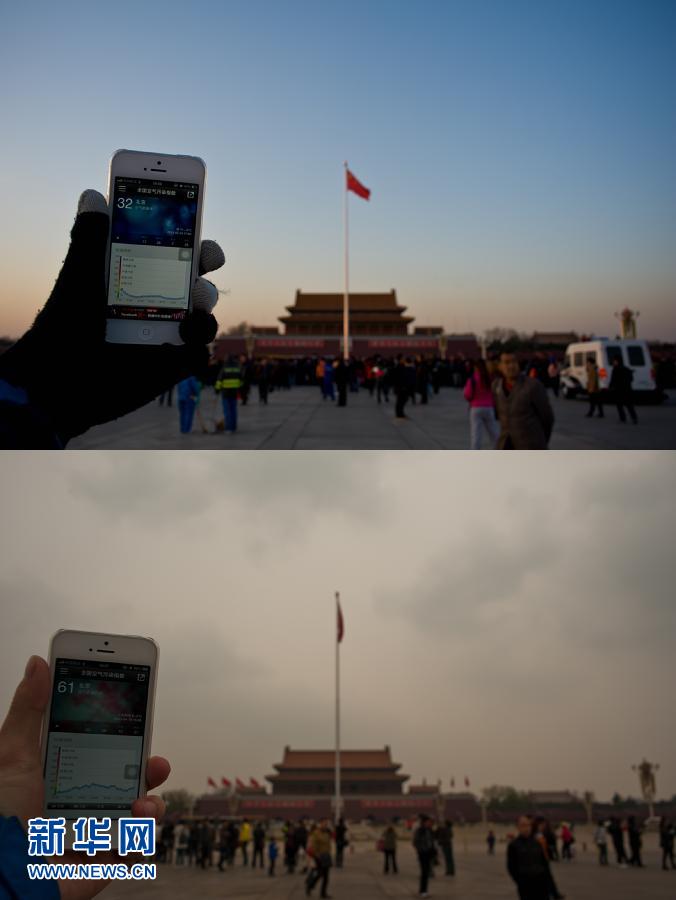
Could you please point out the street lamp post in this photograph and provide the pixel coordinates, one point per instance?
(646, 776)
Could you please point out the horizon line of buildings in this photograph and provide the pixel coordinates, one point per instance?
(372, 787)
(313, 326)
(379, 326)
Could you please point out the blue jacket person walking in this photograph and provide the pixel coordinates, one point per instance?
(188, 398)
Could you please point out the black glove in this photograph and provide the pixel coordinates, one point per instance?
(62, 377)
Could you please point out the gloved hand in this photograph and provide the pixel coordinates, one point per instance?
(71, 378)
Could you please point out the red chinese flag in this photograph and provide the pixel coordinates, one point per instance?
(240, 783)
(466, 781)
(340, 623)
(452, 782)
(354, 185)
(254, 782)
(211, 782)
(225, 782)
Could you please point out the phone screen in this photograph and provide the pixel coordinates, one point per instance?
(151, 254)
(95, 740)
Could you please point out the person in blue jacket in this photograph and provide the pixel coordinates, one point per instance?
(188, 398)
(22, 790)
(327, 381)
(273, 852)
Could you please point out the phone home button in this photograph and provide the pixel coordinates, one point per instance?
(146, 333)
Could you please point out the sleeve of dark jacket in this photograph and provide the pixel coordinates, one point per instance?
(512, 862)
(543, 408)
(500, 403)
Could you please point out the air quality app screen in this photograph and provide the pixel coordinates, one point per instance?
(152, 237)
(95, 742)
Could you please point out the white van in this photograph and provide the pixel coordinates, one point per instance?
(633, 353)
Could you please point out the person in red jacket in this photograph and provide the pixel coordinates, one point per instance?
(482, 421)
(567, 841)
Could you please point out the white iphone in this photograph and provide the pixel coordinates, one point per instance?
(97, 729)
(155, 204)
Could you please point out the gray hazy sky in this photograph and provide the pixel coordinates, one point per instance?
(508, 617)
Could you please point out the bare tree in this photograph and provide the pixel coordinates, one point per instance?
(241, 329)
(179, 801)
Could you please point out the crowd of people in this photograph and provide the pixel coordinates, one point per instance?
(616, 829)
(313, 848)
(530, 853)
(508, 399)
(301, 846)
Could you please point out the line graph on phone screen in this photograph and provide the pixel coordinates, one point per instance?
(92, 768)
(149, 276)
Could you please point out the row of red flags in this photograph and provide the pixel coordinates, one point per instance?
(238, 781)
(240, 784)
(466, 782)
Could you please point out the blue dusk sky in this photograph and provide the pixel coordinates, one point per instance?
(521, 155)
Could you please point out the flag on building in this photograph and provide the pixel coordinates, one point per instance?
(225, 782)
(211, 782)
(354, 185)
(254, 783)
(452, 782)
(466, 781)
(340, 624)
(239, 783)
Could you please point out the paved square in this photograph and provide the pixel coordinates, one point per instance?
(478, 877)
(298, 419)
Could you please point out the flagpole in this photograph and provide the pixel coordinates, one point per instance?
(346, 295)
(337, 808)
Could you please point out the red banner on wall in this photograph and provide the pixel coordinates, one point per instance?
(277, 803)
(399, 801)
(408, 343)
(289, 343)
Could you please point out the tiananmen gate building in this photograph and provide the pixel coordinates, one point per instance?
(312, 773)
(372, 787)
(313, 327)
(370, 314)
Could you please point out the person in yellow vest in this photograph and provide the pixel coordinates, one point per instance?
(244, 839)
(320, 850)
(228, 385)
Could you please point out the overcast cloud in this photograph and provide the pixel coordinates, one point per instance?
(509, 618)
